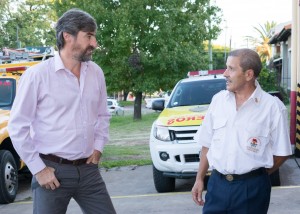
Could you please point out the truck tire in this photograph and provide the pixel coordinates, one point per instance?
(8, 177)
(162, 183)
(275, 178)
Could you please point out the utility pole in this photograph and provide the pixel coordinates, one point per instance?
(210, 65)
(225, 51)
(18, 42)
(210, 55)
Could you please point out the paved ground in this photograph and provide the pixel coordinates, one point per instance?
(132, 191)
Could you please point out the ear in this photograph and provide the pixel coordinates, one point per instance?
(249, 74)
(66, 36)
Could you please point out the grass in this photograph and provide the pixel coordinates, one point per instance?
(129, 141)
(117, 156)
(126, 103)
(126, 123)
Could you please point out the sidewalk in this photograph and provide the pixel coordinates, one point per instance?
(132, 191)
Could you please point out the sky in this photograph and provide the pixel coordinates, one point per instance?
(241, 16)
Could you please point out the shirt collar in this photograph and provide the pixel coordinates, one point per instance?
(255, 96)
(59, 65)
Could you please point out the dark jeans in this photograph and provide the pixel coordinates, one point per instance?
(83, 183)
(246, 196)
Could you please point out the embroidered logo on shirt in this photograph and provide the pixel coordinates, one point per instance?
(253, 144)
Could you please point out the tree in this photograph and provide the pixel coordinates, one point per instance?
(261, 43)
(218, 52)
(29, 25)
(147, 45)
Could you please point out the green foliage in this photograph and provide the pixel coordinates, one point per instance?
(220, 54)
(149, 45)
(30, 24)
(268, 79)
(261, 41)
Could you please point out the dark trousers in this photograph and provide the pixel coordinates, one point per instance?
(83, 183)
(246, 196)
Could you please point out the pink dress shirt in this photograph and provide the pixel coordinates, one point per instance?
(54, 113)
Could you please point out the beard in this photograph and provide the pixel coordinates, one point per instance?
(83, 55)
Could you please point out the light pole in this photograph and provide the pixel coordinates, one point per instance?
(210, 65)
(18, 42)
(225, 51)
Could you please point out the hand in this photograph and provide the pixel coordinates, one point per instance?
(94, 158)
(197, 192)
(46, 178)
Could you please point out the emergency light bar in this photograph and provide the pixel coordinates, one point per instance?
(13, 69)
(205, 72)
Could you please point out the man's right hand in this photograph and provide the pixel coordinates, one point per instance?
(197, 192)
(46, 178)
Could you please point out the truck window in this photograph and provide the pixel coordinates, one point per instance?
(6, 92)
(196, 92)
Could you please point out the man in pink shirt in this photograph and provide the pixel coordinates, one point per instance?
(59, 122)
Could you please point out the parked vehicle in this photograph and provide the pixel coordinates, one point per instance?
(10, 163)
(114, 107)
(174, 152)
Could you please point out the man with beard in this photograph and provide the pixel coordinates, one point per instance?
(59, 122)
(244, 138)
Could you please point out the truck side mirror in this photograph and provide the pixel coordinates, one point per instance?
(158, 105)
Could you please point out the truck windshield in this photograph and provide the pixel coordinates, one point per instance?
(196, 92)
(7, 92)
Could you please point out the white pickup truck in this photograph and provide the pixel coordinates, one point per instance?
(174, 152)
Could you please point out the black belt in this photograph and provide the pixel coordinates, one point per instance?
(232, 177)
(60, 160)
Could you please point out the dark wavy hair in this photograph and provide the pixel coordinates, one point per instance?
(73, 21)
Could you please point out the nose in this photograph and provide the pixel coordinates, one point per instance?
(225, 74)
(94, 42)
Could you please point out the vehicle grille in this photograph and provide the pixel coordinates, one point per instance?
(183, 134)
(190, 158)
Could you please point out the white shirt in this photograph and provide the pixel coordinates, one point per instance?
(243, 140)
(54, 113)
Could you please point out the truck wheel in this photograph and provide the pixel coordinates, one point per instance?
(275, 178)
(162, 183)
(8, 177)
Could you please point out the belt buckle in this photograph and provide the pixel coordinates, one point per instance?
(75, 162)
(229, 177)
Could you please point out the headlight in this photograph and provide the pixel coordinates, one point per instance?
(161, 133)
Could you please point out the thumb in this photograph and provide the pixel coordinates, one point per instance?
(51, 169)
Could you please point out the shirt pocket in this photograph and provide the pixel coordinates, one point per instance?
(219, 128)
(256, 139)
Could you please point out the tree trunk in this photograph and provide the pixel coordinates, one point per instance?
(125, 96)
(137, 113)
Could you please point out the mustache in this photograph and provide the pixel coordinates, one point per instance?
(90, 48)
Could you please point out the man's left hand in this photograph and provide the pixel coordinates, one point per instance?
(94, 158)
